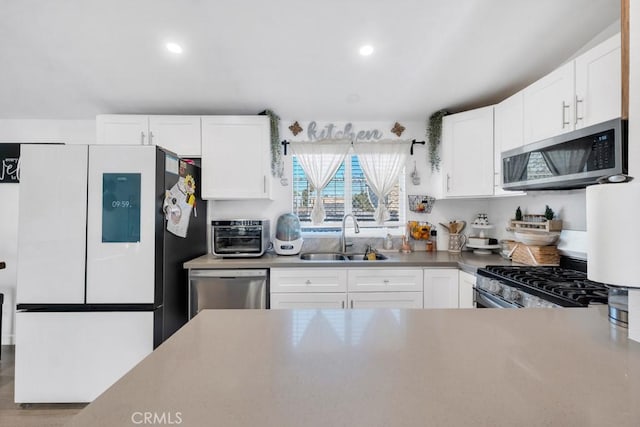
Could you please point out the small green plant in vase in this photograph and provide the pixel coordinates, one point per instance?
(518, 214)
(548, 213)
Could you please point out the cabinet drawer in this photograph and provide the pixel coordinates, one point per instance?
(385, 279)
(308, 280)
(385, 300)
(308, 300)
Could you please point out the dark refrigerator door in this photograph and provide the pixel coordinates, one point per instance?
(173, 251)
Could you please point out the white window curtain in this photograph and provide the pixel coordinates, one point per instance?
(320, 161)
(381, 162)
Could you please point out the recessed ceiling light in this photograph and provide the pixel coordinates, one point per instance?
(174, 48)
(366, 50)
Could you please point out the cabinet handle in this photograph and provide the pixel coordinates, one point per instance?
(141, 138)
(578, 101)
(566, 107)
(448, 180)
(342, 303)
(150, 138)
(351, 303)
(264, 184)
(386, 281)
(308, 282)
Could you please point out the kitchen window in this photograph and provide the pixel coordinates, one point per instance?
(347, 192)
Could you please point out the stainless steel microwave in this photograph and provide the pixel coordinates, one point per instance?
(572, 160)
(240, 238)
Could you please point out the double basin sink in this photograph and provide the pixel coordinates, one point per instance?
(337, 256)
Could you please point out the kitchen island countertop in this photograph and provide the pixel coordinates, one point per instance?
(467, 261)
(483, 367)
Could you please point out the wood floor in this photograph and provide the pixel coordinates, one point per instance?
(36, 415)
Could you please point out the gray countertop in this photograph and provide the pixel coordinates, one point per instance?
(467, 261)
(483, 367)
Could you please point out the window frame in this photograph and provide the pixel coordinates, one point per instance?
(368, 228)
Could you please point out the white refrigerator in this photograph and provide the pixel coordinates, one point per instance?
(100, 279)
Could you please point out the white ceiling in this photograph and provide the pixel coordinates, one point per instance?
(73, 59)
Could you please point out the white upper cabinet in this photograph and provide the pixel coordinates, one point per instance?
(548, 105)
(236, 157)
(122, 129)
(583, 92)
(598, 84)
(508, 134)
(467, 153)
(178, 134)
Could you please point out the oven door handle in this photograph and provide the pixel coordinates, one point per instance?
(490, 301)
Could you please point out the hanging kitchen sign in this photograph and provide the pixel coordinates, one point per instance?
(10, 157)
(315, 132)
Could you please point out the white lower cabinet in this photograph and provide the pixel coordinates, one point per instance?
(466, 283)
(308, 280)
(385, 300)
(301, 300)
(370, 287)
(441, 288)
(375, 287)
(376, 279)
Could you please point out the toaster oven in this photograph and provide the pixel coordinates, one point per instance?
(240, 238)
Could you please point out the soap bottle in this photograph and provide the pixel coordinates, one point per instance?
(434, 240)
(388, 242)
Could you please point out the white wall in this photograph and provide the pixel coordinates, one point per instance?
(634, 89)
(27, 131)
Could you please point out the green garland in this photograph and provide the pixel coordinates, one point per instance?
(434, 133)
(277, 165)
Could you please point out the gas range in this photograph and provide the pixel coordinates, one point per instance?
(526, 286)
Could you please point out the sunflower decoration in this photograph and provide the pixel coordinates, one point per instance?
(190, 184)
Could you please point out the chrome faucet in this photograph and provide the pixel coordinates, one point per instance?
(343, 239)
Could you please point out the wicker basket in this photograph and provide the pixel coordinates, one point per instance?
(536, 255)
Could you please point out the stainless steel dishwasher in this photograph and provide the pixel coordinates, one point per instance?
(221, 289)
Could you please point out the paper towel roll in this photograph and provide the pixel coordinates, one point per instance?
(613, 234)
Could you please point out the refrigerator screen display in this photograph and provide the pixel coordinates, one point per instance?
(121, 207)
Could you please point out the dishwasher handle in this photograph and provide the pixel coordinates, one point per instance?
(228, 273)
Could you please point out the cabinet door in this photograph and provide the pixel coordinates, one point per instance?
(180, 134)
(598, 84)
(309, 300)
(548, 105)
(308, 280)
(384, 279)
(440, 288)
(122, 129)
(236, 157)
(466, 283)
(508, 134)
(385, 300)
(467, 141)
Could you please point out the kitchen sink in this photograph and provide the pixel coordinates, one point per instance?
(323, 256)
(362, 257)
(336, 256)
